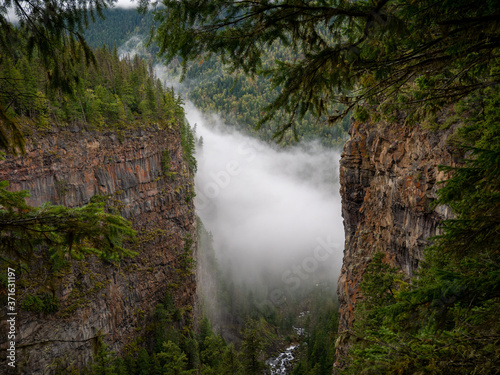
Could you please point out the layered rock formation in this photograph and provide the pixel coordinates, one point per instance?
(98, 300)
(389, 175)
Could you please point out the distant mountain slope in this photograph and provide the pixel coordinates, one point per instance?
(118, 27)
(237, 99)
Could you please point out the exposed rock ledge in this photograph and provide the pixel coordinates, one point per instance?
(99, 299)
(389, 174)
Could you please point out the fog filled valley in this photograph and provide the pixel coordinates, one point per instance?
(251, 287)
(270, 234)
(274, 223)
(249, 188)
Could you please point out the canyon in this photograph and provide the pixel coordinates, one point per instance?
(389, 176)
(102, 302)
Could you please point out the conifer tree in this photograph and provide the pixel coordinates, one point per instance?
(143, 359)
(51, 30)
(252, 349)
(173, 360)
(59, 230)
(414, 57)
(155, 367)
(103, 361)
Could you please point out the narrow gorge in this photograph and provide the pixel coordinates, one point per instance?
(249, 188)
(389, 176)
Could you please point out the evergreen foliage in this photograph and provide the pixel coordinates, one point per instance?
(394, 60)
(103, 360)
(177, 353)
(237, 98)
(112, 93)
(187, 261)
(166, 164)
(253, 348)
(118, 26)
(188, 143)
(52, 31)
(445, 320)
(393, 55)
(386, 58)
(58, 230)
(316, 352)
(173, 360)
(47, 303)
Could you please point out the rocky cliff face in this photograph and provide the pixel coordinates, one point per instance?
(389, 174)
(98, 299)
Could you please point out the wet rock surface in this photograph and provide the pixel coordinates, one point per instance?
(389, 175)
(99, 300)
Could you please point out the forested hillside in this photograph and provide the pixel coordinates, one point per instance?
(118, 26)
(49, 82)
(83, 134)
(211, 86)
(107, 92)
(421, 70)
(240, 99)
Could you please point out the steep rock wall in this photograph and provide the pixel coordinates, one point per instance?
(389, 175)
(98, 299)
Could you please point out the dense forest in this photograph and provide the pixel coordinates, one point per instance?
(429, 63)
(235, 97)
(118, 26)
(43, 91)
(240, 99)
(109, 92)
(101, 91)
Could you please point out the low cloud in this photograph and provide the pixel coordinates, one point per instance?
(267, 207)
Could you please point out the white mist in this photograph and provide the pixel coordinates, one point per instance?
(268, 209)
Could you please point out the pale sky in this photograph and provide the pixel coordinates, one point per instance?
(126, 4)
(119, 4)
